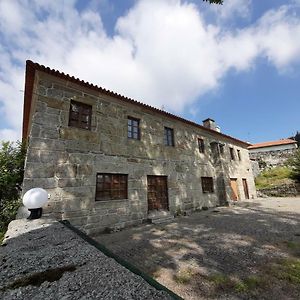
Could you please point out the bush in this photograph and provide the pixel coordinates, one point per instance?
(294, 162)
(12, 158)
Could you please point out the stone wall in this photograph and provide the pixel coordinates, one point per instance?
(285, 190)
(255, 167)
(65, 160)
(272, 158)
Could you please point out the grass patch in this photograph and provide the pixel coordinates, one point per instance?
(184, 276)
(287, 269)
(227, 283)
(219, 279)
(2, 233)
(293, 247)
(273, 177)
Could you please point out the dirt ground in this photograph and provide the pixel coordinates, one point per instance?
(250, 250)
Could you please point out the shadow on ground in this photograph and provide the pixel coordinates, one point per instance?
(217, 252)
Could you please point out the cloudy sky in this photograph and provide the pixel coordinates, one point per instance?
(238, 63)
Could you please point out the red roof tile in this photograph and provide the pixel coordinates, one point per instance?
(31, 67)
(273, 143)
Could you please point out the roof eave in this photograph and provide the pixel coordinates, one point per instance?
(31, 67)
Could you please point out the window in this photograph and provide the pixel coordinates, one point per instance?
(201, 145)
(111, 186)
(207, 184)
(221, 147)
(169, 137)
(80, 115)
(133, 126)
(232, 153)
(214, 149)
(239, 154)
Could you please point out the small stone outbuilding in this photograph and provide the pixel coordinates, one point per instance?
(271, 154)
(110, 161)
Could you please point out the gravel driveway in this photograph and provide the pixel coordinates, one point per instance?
(247, 251)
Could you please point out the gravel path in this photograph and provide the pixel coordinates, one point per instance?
(237, 242)
(42, 259)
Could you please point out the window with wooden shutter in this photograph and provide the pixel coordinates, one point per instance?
(239, 154)
(232, 156)
(201, 145)
(111, 187)
(80, 115)
(207, 184)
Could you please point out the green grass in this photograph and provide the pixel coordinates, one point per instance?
(219, 279)
(184, 276)
(273, 177)
(246, 285)
(287, 269)
(2, 233)
(293, 245)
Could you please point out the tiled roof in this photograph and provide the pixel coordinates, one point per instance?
(31, 67)
(273, 143)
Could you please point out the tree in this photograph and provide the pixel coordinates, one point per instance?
(214, 1)
(294, 162)
(297, 138)
(12, 158)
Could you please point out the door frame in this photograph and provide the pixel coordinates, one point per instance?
(246, 188)
(232, 190)
(167, 189)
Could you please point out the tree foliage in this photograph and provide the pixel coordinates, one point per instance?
(294, 162)
(12, 158)
(214, 1)
(297, 138)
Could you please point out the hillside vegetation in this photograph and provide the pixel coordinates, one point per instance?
(273, 177)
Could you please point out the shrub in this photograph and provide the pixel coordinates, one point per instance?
(294, 162)
(12, 156)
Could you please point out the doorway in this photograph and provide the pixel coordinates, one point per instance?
(234, 189)
(246, 191)
(157, 192)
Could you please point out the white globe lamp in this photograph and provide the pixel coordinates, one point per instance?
(34, 200)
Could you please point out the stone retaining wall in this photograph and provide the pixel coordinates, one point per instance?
(286, 190)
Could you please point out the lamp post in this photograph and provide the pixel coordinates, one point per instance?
(34, 200)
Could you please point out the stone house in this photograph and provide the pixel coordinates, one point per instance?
(108, 161)
(271, 154)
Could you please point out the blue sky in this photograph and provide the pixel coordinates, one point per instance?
(238, 63)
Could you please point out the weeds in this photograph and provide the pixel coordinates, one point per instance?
(287, 269)
(184, 276)
(273, 177)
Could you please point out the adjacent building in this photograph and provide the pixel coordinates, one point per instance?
(108, 161)
(271, 154)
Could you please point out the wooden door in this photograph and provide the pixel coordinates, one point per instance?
(245, 185)
(157, 192)
(234, 189)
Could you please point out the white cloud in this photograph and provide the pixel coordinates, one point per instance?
(9, 135)
(231, 9)
(162, 53)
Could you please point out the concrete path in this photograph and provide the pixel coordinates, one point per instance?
(189, 253)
